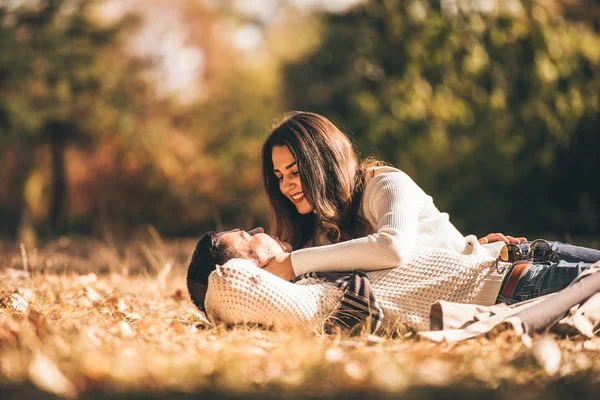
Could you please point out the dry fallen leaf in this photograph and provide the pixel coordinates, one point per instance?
(373, 340)
(547, 354)
(15, 302)
(178, 327)
(39, 322)
(121, 328)
(9, 333)
(46, 375)
(92, 295)
(86, 280)
(125, 329)
(435, 372)
(355, 371)
(334, 354)
(12, 273)
(592, 344)
(198, 318)
(26, 293)
(178, 295)
(122, 306)
(133, 317)
(161, 278)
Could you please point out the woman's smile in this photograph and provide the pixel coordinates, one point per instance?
(298, 197)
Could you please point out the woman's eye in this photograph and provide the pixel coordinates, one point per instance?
(279, 178)
(296, 173)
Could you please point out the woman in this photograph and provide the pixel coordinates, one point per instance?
(341, 215)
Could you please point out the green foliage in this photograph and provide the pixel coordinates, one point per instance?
(492, 113)
(90, 146)
(63, 82)
(55, 72)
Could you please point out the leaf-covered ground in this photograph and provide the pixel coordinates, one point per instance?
(90, 319)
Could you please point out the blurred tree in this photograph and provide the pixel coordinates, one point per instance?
(587, 11)
(64, 81)
(210, 148)
(495, 113)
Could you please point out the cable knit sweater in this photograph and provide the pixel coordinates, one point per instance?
(240, 292)
(404, 218)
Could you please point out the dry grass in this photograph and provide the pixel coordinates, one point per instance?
(97, 320)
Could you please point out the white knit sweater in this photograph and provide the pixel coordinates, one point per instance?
(240, 292)
(404, 218)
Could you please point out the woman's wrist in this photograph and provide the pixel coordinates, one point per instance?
(281, 266)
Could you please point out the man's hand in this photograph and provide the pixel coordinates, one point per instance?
(499, 237)
(281, 265)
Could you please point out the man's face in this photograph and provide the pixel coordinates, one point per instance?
(256, 244)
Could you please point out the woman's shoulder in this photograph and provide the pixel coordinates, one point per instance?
(390, 180)
(386, 173)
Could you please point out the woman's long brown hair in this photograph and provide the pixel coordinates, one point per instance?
(332, 180)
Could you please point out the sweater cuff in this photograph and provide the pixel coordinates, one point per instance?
(299, 263)
(491, 250)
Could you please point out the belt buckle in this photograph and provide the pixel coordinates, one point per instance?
(503, 266)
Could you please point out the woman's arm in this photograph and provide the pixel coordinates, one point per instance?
(391, 202)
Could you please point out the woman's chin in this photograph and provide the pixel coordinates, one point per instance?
(304, 209)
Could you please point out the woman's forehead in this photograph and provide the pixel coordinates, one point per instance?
(282, 154)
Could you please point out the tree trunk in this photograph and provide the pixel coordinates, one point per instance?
(59, 187)
(23, 230)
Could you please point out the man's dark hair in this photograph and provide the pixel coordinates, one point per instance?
(208, 254)
(210, 251)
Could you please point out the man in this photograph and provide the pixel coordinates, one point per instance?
(406, 292)
(217, 248)
(445, 278)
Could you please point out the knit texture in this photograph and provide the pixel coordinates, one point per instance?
(240, 292)
(403, 218)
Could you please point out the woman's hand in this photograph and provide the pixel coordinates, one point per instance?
(499, 237)
(281, 265)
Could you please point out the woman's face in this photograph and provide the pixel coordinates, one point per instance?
(286, 170)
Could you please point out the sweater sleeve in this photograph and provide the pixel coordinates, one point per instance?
(391, 203)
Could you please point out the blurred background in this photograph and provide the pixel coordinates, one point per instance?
(116, 115)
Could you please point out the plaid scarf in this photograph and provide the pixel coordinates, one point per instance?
(358, 307)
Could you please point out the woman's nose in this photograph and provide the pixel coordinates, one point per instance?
(291, 183)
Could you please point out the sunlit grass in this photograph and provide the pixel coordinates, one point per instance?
(90, 319)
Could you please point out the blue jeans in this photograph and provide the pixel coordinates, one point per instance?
(544, 277)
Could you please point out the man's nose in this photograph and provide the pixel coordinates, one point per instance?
(256, 230)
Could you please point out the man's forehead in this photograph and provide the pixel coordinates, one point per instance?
(233, 238)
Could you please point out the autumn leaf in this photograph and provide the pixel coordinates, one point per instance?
(46, 375)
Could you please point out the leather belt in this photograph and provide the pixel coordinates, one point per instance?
(513, 277)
